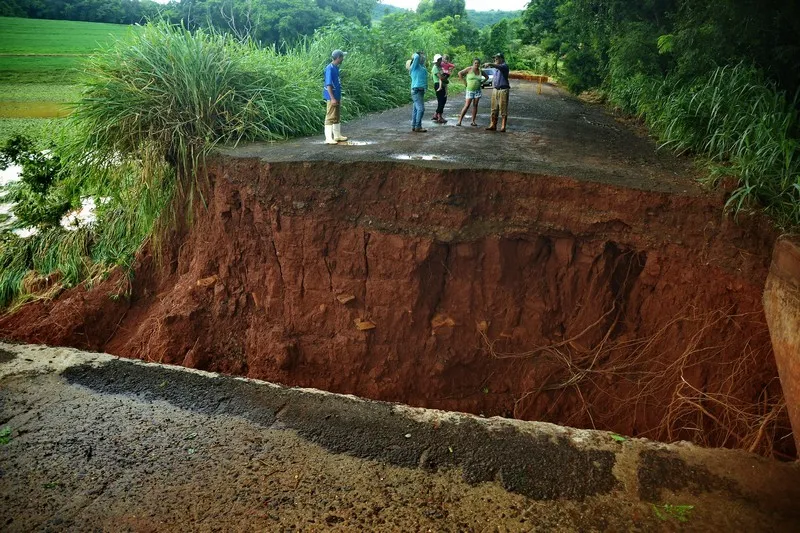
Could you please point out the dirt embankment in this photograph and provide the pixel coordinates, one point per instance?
(490, 292)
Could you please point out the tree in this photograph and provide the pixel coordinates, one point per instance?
(433, 10)
(459, 31)
(539, 21)
(497, 39)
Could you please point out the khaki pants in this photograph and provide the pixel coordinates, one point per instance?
(332, 113)
(500, 102)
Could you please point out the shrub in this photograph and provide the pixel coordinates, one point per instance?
(37, 198)
(736, 118)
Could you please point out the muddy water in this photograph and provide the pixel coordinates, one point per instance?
(496, 293)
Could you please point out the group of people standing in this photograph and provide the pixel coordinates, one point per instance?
(472, 77)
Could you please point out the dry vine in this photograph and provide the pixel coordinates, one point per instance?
(706, 411)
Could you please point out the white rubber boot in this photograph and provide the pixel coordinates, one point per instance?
(329, 134)
(337, 133)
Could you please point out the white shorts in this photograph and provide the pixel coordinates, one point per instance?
(474, 94)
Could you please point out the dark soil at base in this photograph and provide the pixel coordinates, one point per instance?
(501, 292)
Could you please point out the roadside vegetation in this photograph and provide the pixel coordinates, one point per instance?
(718, 80)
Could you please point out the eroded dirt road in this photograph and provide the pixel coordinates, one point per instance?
(552, 133)
(98, 443)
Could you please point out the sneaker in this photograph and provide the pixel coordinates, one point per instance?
(420, 130)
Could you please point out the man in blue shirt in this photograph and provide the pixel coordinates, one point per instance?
(332, 93)
(500, 87)
(419, 82)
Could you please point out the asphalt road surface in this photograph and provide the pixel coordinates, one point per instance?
(552, 133)
(89, 442)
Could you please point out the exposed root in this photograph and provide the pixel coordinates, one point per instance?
(708, 395)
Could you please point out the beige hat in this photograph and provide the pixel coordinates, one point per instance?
(437, 57)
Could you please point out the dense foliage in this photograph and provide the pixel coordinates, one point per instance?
(433, 10)
(114, 11)
(716, 78)
(483, 19)
(264, 21)
(276, 22)
(268, 21)
(34, 199)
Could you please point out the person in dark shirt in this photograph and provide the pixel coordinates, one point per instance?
(332, 93)
(500, 91)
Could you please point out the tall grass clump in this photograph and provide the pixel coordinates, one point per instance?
(180, 93)
(736, 118)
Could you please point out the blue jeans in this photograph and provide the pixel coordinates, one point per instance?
(418, 109)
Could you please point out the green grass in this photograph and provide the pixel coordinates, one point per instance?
(40, 69)
(41, 92)
(57, 37)
(51, 51)
(40, 62)
(38, 129)
(739, 121)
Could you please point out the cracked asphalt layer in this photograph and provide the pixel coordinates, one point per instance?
(96, 443)
(552, 133)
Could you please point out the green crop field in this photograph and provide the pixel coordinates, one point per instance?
(58, 37)
(40, 62)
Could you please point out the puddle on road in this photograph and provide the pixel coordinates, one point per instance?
(420, 157)
(350, 143)
(358, 143)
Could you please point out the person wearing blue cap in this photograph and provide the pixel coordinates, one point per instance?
(332, 93)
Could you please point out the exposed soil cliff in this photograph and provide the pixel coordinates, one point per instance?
(491, 292)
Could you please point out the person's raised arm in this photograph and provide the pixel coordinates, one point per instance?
(461, 74)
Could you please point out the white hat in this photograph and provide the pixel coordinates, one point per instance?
(437, 57)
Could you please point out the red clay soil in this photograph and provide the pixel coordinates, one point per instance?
(499, 293)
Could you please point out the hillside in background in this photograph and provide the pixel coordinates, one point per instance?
(381, 10)
(483, 19)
